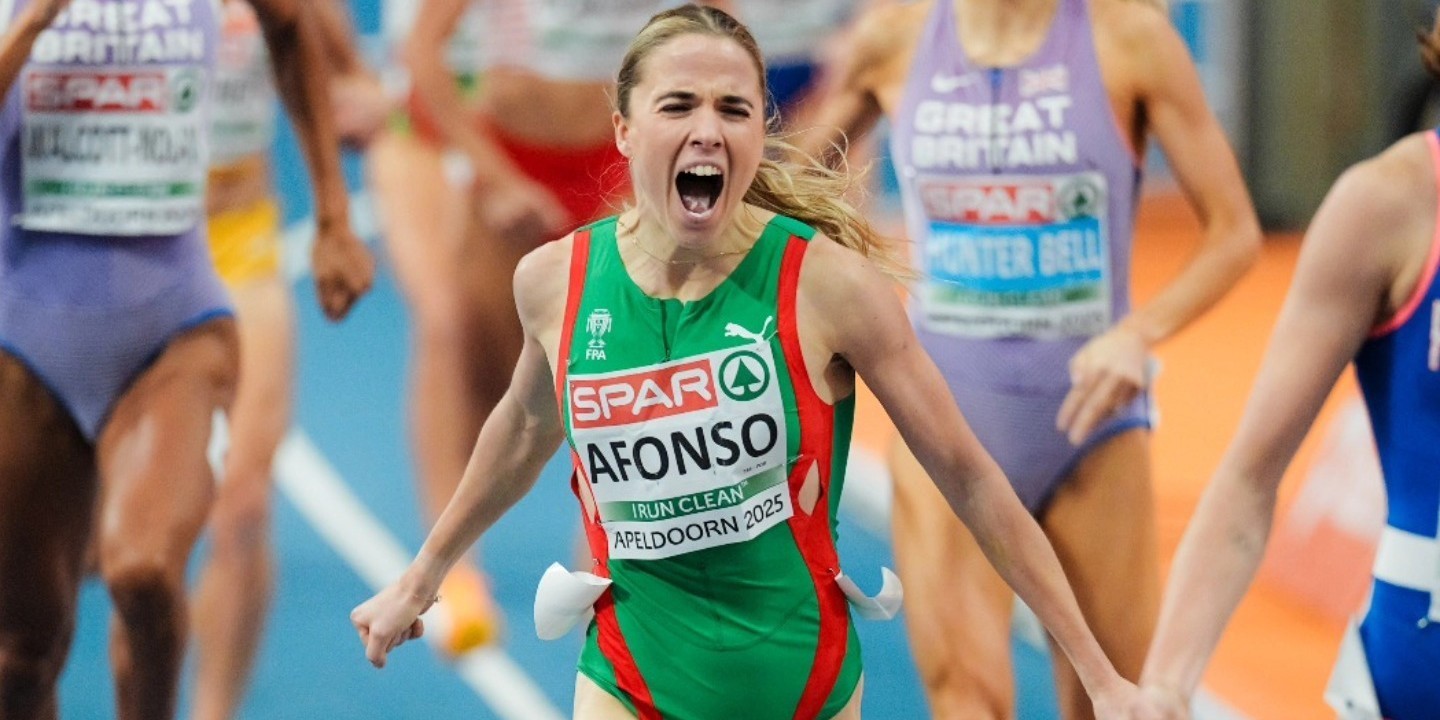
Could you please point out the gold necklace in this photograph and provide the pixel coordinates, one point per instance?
(635, 240)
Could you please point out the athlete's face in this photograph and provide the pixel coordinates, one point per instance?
(694, 134)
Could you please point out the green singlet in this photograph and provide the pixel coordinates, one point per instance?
(695, 427)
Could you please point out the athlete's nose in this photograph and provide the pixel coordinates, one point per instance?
(706, 132)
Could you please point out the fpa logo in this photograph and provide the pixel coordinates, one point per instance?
(744, 376)
(598, 325)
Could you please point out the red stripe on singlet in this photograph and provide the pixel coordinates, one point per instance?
(579, 258)
(812, 531)
(611, 641)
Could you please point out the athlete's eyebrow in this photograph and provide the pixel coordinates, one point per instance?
(681, 95)
(690, 97)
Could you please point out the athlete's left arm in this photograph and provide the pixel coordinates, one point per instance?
(342, 266)
(849, 314)
(1145, 58)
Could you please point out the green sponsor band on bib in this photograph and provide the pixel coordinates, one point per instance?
(714, 499)
(65, 188)
(1023, 298)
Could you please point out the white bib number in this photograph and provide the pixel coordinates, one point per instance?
(686, 455)
(1015, 256)
(114, 151)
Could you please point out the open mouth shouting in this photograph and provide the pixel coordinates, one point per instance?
(699, 188)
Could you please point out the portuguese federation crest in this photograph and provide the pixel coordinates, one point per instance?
(598, 325)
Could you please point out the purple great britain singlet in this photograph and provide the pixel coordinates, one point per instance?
(1019, 193)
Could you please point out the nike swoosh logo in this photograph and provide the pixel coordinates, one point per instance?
(943, 84)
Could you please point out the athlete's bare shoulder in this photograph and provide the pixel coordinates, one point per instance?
(1396, 187)
(884, 29)
(542, 281)
(1378, 219)
(883, 41)
(838, 280)
(1130, 20)
(1408, 161)
(1134, 39)
(1143, 59)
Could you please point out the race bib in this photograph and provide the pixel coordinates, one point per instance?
(685, 455)
(1015, 256)
(243, 118)
(113, 151)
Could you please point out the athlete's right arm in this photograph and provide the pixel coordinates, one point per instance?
(15, 44)
(514, 444)
(1339, 292)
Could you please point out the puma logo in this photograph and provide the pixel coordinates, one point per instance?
(734, 330)
(946, 84)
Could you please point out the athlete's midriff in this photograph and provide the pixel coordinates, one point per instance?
(1019, 194)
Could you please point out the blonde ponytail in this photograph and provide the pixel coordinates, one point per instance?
(796, 185)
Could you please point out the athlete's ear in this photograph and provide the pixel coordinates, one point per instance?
(622, 133)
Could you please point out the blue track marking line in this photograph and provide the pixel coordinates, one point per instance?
(313, 486)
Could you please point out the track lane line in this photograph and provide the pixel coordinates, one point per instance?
(308, 480)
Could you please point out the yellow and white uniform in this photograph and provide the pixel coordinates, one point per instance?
(244, 237)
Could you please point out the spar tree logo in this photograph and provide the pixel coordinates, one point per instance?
(1081, 197)
(744, 376)
(185, 90)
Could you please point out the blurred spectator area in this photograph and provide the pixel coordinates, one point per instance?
(1325, 83)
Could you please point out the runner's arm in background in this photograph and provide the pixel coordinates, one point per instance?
(338, 33)
(516, 441)
(858, 320)
(20, 36)
(1338, 295)
(361, 106)
(515, 206)
(849, 108)
(341, 265)
(1152, 64)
